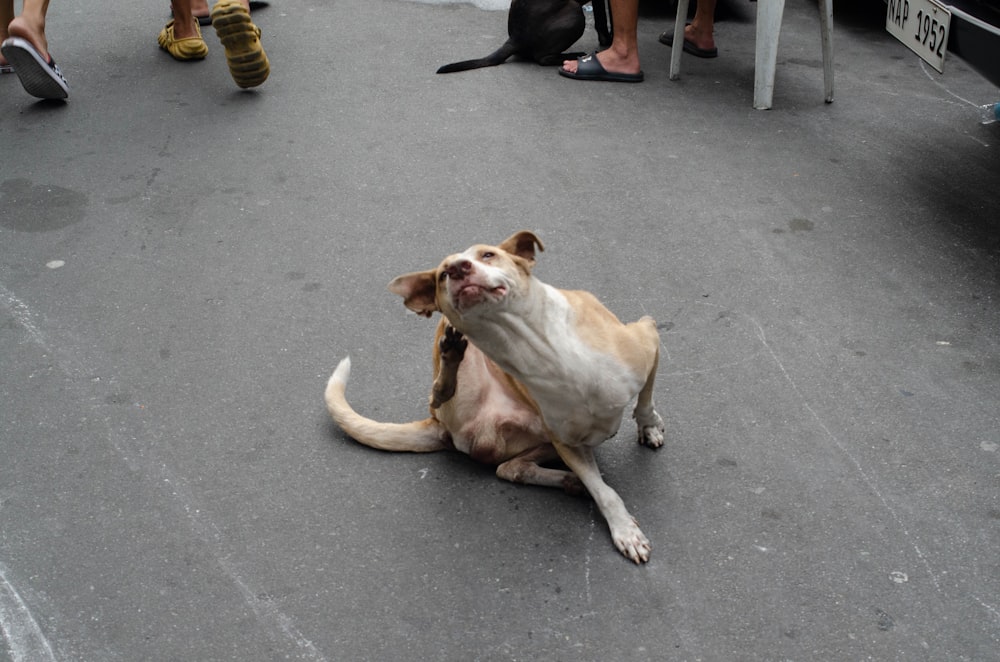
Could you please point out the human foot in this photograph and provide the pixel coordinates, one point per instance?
(690, 46)
(31, 31)
(589, 67)
(183, 44)
(608, 60)
(699, 36)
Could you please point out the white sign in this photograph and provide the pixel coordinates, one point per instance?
(922, 26)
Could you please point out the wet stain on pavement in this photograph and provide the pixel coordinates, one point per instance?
(308, 287)
(796, 225)
(118, 399)
(800, 225)
(28, 207)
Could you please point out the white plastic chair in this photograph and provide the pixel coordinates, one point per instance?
(769, 14)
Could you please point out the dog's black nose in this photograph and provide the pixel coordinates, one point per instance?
(458, 269)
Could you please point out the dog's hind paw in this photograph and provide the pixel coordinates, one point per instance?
(452, 348)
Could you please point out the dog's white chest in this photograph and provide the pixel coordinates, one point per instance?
(581, 390)
(585, 403)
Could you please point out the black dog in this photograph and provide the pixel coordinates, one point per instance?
(541, 30)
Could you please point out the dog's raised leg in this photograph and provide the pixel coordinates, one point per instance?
(526, 468)
(649, 422)
(625, 532)
(451, 351)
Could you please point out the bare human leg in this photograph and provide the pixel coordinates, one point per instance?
(6, 16)
(200, 8)
(30, 25)
(701, 30)
(623, 54)
(184, 22)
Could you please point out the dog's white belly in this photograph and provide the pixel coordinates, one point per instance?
(472, 415)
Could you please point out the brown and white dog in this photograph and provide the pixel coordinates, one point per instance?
(491, 417)
(560, 364)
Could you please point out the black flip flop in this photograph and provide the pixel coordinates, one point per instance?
(589, 67)
(667, 38)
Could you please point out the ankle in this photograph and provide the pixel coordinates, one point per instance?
(185, 29)
(624, 52)
(700, 31)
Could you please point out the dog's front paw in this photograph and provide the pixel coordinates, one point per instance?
(452, 345)
(651, 432)
(631, 542)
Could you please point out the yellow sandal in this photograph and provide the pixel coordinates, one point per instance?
(246, 58)
(188, 48)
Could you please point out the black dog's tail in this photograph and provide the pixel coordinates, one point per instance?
(499, 56)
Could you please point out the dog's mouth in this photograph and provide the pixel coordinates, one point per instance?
(471, 294)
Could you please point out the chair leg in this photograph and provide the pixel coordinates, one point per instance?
(769, 14)
(826, 25)
(678, 48)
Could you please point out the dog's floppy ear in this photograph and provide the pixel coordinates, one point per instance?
(418, 290)
(522, 244)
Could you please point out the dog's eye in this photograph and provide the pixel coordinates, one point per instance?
(487, 255)
(442, 276)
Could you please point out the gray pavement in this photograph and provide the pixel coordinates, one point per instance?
(182, 264)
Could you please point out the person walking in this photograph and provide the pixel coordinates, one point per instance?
(245, 56)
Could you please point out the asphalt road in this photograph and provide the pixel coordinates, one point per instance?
(182, 264)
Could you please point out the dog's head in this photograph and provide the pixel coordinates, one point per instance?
(466, 282)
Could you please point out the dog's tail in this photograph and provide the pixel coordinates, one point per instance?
(417, 437)
(499, 56)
